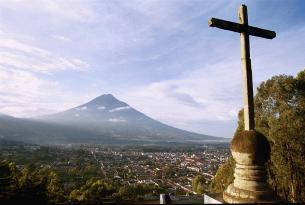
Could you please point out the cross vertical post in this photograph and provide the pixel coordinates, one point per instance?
(246, 71)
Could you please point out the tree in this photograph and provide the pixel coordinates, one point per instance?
(280, 105)
(198, 184)
(8, 181)
(54, 188)
(93, 192)
(138, 191)
(29, 185)
(224, 176)
(180, 191)
(126, 192)
(32, 187)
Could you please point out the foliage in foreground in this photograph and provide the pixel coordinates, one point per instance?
(280, 116)
(30, 185)
(224, 176)
(198, 184)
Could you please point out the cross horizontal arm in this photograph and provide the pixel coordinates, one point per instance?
(236, 27)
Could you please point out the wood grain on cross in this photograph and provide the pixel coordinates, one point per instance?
(245, 31)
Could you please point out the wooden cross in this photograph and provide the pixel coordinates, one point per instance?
(245, 30)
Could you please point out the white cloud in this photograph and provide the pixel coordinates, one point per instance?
(20, 55)
(61, 38)
(211, 93)
(116, 120)
(119, 108)
(75, 10)
(81, 108)
(24, 94)
(9, 43)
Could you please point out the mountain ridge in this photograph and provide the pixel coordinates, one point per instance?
(104, 119)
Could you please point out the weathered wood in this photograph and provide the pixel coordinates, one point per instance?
(236, 27)
(246, 71)
(226, 25)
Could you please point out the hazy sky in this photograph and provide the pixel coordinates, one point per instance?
(159, 56)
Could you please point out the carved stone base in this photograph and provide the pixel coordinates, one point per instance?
(249, 186)
(235, 195)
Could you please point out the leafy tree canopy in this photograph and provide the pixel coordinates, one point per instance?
(198, 184)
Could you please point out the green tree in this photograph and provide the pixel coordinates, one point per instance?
(54, 188)
(198, 184)
(280, 110)
(8, 181)
(29, 185)
(93, 192)
(138, 191)
(224, 176)
(32, 187)
(126, 192)
(180, 191)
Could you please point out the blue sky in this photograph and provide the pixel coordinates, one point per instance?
(159, 56)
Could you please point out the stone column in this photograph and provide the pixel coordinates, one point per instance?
(250, 150)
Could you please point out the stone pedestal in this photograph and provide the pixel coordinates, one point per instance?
(250, 150)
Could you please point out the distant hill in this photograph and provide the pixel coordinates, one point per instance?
(103, 120)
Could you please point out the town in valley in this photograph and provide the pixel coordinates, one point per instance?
(171, 168)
